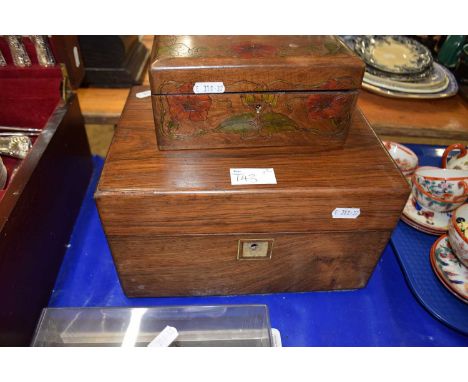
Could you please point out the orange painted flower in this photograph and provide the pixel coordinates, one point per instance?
(254, 50)
(326, 106)
(187, 106)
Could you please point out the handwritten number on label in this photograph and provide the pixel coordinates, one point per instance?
(346, 213)
(247, 179)
(246, 176)
(208, 87)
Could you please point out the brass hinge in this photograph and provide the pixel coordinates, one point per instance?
(66, 90)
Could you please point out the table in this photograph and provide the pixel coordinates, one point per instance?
(441, 121)
(384, 313)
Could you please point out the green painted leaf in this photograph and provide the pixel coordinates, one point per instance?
(241, 123)
(277, 123)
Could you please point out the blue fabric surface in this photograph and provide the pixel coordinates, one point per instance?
(384, 313)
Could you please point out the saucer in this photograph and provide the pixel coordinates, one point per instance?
(449, 270)
(428, 221)
(420, 228)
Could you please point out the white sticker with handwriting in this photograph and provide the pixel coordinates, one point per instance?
(143, 94)
(243, 176)
(208, 87)
(346, 213)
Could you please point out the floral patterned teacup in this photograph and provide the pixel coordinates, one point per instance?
(404, 157)
(457, 162)
(440, 190)
(458, 233)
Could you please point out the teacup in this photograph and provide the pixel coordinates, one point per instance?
(457, 162)
(404, 157)
(440, 190)
(458, 233)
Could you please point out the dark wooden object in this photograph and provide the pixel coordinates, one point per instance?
(276, 91)
(174, 221)
(113, 61)
(37, 214)
(67, 51)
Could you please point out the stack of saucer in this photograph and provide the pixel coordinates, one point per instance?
(401, 67)
(424, 219)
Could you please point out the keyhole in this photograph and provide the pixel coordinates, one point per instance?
(253, 246)
(258, 108)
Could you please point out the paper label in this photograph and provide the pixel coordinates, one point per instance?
(208, 87)
(144, 94)
(346, 213)
(76, 56)
(166, 337)
(242, 176)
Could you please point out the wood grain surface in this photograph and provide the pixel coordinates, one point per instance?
(207, 265)
(444, 119)
(102, 106)
(156, 204)
(254, 63)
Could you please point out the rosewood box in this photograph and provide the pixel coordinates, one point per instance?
(253, 91)
(177, 226)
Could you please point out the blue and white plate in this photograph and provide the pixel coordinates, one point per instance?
(394, 54)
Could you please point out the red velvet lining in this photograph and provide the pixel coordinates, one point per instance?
(28, 96)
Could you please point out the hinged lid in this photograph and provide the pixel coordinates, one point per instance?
(253, 63)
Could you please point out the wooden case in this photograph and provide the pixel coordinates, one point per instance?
(176, 226)
(43, 193)
(37, 215)
(253, 91)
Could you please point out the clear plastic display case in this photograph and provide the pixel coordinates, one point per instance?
(225, 325)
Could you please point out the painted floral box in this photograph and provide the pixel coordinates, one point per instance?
(253, 91)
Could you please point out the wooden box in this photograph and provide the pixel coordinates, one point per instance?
(253, 91)
(176, 226)
(43, 194)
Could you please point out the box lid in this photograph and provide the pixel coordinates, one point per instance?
(253, 63)
(144, 191)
